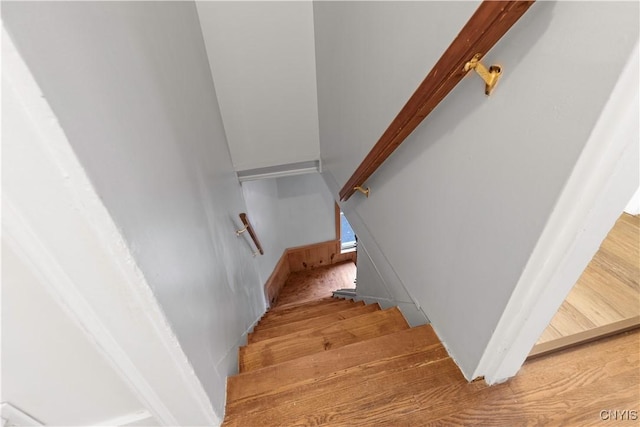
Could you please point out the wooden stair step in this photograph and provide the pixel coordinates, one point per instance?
(314, 322)
(307, 303)
(269, 321)
(302, 343)
(356, 396)
(279, 377)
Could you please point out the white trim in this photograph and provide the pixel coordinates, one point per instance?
(19, 236)
(135, 418)
(600, 185)
(12, 416)
(279, 171)
(173, 397)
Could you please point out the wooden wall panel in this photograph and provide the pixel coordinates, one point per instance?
(304, 258)
(313, 256)
(277, 279)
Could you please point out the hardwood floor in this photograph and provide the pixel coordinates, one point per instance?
(318, 283)
(606, 298)
(570, 388)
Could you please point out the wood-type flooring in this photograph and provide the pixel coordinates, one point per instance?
(606, 298)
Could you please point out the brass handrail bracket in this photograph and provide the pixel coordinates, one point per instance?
(490, 76)
(364, 191)
(239, 232)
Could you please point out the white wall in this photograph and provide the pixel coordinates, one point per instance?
(263, 63)
(457, 210)
(130, 84)
(61, 247)
(49, 366)
(288, 212)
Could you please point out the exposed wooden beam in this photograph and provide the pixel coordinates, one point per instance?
(488, 24)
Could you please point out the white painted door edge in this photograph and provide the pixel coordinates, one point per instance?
(78, 197)
(595, 195)
(13, 416)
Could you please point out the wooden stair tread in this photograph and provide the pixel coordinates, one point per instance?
(314, 322)
(302, 343)
(308, 303)
(380, 386)
(297, 371)
(269, 321)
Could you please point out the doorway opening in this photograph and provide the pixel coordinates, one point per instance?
(606, 298)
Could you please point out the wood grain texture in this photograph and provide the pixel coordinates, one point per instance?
(305, 258)
(318, 255)
(305, 369)
(486, 26)
(588, 335)
(606, 295)
(566, 388)
(342, 386)
(293, 315)
(299, 344)
(280, 308)
(317, 283)
(277, 279)
(301, 325)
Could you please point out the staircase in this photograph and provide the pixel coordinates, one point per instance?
(333, 361)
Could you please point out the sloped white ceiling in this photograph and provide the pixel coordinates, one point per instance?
(262, 59)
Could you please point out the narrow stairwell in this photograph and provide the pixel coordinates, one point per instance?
(333, 361)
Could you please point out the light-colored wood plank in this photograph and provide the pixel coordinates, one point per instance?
(585, 336)
(608, 291)
(288, 347)
(569, 320)
(308, 368)
(315, 322)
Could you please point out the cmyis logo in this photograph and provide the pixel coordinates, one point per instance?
(618, 415)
